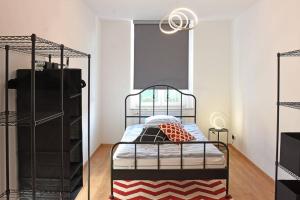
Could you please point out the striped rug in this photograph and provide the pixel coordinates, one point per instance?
(170, 190)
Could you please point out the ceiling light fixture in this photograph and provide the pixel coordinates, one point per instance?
(180, 19)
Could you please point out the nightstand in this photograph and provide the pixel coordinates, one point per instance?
(218, 131)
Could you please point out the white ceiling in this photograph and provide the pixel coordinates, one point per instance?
(156, 9)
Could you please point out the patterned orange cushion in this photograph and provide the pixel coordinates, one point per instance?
(176, 132)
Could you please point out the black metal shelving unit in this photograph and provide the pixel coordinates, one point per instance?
(286, 189)
(37, 47)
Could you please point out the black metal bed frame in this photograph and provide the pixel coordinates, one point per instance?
(36, 46)
(203, 173)
(159, 87)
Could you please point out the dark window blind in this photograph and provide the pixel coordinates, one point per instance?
(160, 58)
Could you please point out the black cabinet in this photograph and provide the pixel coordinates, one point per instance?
(290, 152)
(48, 135)
(288, 190)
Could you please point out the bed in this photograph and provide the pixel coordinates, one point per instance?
(198, 159)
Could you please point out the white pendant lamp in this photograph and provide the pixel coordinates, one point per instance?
(178, 20)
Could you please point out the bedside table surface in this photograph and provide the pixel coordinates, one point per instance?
(219, 130)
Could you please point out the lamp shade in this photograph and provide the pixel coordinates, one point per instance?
(218, 120)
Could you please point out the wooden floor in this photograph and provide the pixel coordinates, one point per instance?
(247, 182)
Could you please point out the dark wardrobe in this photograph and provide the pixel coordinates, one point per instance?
(48, 135)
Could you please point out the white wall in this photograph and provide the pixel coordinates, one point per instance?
(212, 64)
(115, 77)
(212, 56)
(69, 22)
(268, 27)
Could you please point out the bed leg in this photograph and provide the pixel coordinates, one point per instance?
(111, 174)
(227, 186)
(111, 189)
(227, 178)
(227, 190)
(111, 195)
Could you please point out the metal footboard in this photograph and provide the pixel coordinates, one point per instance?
(203, 173)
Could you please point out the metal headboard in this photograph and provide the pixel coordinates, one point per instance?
(159, 87)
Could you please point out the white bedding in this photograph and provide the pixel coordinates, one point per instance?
(169, 153)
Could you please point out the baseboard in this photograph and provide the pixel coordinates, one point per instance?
(252, 163)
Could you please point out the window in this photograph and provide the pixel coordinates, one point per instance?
(158, 58)
(161, 100)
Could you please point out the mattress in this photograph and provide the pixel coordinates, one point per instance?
(193, 154)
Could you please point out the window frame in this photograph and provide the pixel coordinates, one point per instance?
(161, 104)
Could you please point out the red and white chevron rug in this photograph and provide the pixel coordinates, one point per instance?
(170, 190)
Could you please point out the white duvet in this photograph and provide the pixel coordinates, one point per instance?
(169, 153)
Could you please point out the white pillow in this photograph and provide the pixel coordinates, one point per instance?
(161, 119)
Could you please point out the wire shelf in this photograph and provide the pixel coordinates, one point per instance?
(23, 44)
(291, 53)
(37, 46)
(27, 195)
(13, 118)
(289, 172)
(24, 119)
(295, 105)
